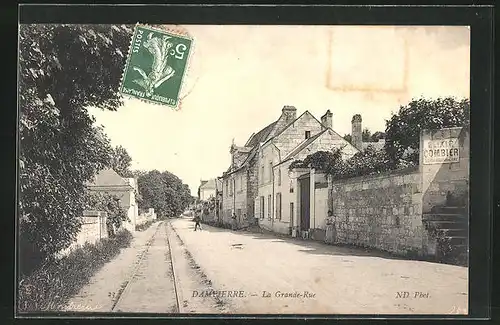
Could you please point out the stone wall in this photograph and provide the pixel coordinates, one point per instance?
(450, 179)
(382, 211)
(235, 200)
(93, 230)
(252, 189)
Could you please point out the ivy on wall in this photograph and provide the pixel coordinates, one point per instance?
(402, 136)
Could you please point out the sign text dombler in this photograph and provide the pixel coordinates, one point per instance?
(441, 151)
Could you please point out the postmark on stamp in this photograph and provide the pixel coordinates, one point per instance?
(156, 65)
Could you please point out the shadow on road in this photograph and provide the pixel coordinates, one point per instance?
(309, 246)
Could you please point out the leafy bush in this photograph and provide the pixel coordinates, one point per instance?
(105, 202)
(50, 287)
(297, 164)
(366, 162)
(144, 226)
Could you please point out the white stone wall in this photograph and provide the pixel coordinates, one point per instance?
(205, 194)
(318, 216)
(288, 195)
(92, 231)
(234, 196)
(268, 157)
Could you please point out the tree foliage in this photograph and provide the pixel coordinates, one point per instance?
(367, 162)
(377, 136)
(63, 70)
(121, 162)
(105, 202)
(366, 135)
(326, 161)
(348, 138)
(403, 129)
(164, 192)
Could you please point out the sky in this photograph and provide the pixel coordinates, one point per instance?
(240, 77)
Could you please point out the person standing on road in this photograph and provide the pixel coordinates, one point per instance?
(197, 220)
(233, 223)
(330, 228)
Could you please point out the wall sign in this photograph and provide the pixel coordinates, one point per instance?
(441, 151)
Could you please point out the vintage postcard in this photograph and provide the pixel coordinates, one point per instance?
(244, 169)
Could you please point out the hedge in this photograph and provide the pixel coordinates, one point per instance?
(144, 226)
(50, 287)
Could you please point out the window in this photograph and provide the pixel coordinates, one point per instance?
(241, 182)
(227, 188)
(279, 176)
(291, 212)
(270, 171)
(308, 134)
(278, 206)
(262, 174)
(269, 207)
(231, 189)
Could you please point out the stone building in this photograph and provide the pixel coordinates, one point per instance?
(108, 181)
(207, 189)
(258, 185)
(239, 182)
(283, 202)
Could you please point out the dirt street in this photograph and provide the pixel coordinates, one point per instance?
(294, 276)
(170, 269)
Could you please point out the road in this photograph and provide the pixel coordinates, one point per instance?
(170, 269)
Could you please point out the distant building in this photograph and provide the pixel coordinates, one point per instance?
(207, 189)
(240, 181)
(108, 181)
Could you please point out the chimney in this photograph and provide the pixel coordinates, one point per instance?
(289, 113)
(357, 140)
(326, 119)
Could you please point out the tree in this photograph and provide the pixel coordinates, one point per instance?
(164, 192)
(377, 136)
(121, 162)
(366, 135)
(108, 203)
(403, 129)
(63, 70)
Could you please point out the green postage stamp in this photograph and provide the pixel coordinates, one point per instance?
(156, 64)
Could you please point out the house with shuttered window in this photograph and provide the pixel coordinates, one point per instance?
(283, 201)
(258, 186)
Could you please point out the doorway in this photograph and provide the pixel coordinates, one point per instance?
(304, 203)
